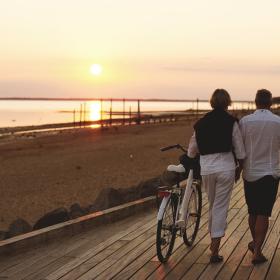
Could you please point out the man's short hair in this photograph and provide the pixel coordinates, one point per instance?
(263, 98)
(220, 99)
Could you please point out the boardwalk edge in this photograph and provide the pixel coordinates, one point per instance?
(75, 226)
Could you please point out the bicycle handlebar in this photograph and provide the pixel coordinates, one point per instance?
(177, 146)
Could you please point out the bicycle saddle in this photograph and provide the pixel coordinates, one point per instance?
(176, 168)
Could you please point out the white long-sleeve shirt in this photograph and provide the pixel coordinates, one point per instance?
(261, 136)
(219, 162)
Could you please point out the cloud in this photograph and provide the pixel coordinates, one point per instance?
(227, 69)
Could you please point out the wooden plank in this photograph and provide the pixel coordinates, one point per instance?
(114, 264)
(184, 265)
(17, 262)
(226, 250)
(179, 253)
(46, 270)
(274, 270)
(269, 249)
(245, 268)
(83, 268)
(66, 247)
(155, 268)
(149, 255)
(196, 271)
(153, 263)
(236, 258)
(134, 266)
(179, 265)
(12, 261)
(24, 268)
(203, 258)
(86, 266)
(139, 227)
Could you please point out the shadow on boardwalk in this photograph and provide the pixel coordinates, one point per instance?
(126, 250)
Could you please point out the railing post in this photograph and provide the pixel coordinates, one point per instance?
(81, 109)
(111, 112)
(101, 112)
(123, 111)
(138, 113)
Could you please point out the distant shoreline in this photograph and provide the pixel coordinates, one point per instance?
(112, 99)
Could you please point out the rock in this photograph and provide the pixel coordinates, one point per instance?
(149, 187)
(107, 198)
(3, 235)
(129, 194)
(111, 197)
(77, 211)
(57, 216)
(17, 227)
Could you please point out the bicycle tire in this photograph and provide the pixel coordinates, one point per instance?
(166, 231)
(193, 219)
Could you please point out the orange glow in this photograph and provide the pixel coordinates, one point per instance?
(95, 111)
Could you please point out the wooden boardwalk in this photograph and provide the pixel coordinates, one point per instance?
(126, 250)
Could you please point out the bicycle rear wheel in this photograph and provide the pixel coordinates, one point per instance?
(193, 215)
(166, 231)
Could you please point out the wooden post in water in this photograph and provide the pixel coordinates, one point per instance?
(129, 115)
(138, 113)
(81, 109)
(101, 112)
(123, 111)
(111, 112)
(85, 113)
(74, 117)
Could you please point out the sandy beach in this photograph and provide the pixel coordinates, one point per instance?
(44, 172)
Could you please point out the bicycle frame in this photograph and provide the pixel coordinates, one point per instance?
(181, 209)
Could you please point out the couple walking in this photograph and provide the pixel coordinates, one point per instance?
(253, 145)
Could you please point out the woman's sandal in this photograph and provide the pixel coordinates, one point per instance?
(216, 259)
(259, 260)
(251, 247)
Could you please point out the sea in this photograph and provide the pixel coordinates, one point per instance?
(15, 113)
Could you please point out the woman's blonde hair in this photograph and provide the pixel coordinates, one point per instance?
(220, 99)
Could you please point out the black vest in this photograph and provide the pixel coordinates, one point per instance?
(214, 132)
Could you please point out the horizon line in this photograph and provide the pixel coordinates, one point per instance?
(111, 99)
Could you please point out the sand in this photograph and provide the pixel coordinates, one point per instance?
(39, 174)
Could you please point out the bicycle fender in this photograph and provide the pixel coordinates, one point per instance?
(162, 207)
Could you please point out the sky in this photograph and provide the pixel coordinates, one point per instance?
(147, 49)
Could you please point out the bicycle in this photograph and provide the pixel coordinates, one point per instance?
(180, 210)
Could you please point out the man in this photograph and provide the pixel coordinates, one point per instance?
(261, 136)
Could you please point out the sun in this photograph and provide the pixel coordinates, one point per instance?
(96, 69)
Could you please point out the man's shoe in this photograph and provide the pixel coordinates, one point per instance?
(259, 260)
(216, 259)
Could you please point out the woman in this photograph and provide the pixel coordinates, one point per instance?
(216, 136)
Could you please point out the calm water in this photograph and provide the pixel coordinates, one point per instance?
(22, 113)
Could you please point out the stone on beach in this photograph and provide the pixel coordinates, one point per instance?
(56, 216)
(19, 226)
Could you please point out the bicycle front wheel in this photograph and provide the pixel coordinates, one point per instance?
(166, 231)
(193, 216)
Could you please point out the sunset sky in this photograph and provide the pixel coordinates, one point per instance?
(147, 48)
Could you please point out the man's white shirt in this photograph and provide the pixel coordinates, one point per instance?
(261, 136)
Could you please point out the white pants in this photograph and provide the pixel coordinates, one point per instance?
(218, 187)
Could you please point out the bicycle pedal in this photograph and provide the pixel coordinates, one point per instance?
(180, 224)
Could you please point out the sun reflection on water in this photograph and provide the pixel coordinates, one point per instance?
(95, 111)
